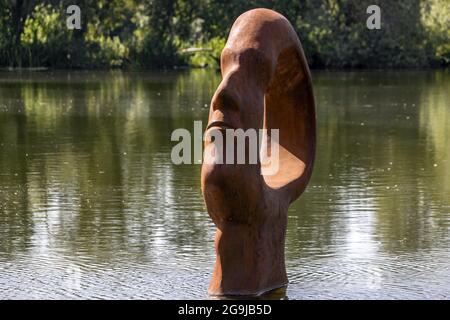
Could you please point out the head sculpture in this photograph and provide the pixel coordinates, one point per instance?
(266, 83)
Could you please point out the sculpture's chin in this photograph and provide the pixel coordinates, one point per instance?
(232, 192)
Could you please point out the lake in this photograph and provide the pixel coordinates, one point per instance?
(92, 207)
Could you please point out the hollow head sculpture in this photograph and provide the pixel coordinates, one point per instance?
(266, 84)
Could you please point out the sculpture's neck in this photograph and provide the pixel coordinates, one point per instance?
(250, 257)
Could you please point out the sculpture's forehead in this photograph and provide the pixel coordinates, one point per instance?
(258, 18)
(247, 55)
(259, 32)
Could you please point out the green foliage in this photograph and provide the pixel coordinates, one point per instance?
(156, 33)
(43, 39)
(5, 39)
(159, 47)
(158, 52)
(210, 55)
(435, 15)
(104, 50)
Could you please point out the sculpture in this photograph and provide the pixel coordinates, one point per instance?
(266, 83)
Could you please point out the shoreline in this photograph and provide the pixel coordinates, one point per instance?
(188, 68)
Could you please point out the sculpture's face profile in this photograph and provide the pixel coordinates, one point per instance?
(238, 103)
(265, 85)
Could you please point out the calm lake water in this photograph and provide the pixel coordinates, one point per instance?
(92, 207)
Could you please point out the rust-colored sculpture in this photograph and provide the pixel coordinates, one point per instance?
(266, 84)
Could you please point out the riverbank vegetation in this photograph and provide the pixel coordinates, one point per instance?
(165, 34)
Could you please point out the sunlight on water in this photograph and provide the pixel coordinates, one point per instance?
(91, 206)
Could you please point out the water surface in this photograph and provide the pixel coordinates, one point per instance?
(92, 207)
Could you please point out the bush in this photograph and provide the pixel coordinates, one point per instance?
(45, 39)
(103, 50)
(157, 51)
(210, 57)
(154, 33)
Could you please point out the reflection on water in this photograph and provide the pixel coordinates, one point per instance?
(91, 206)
